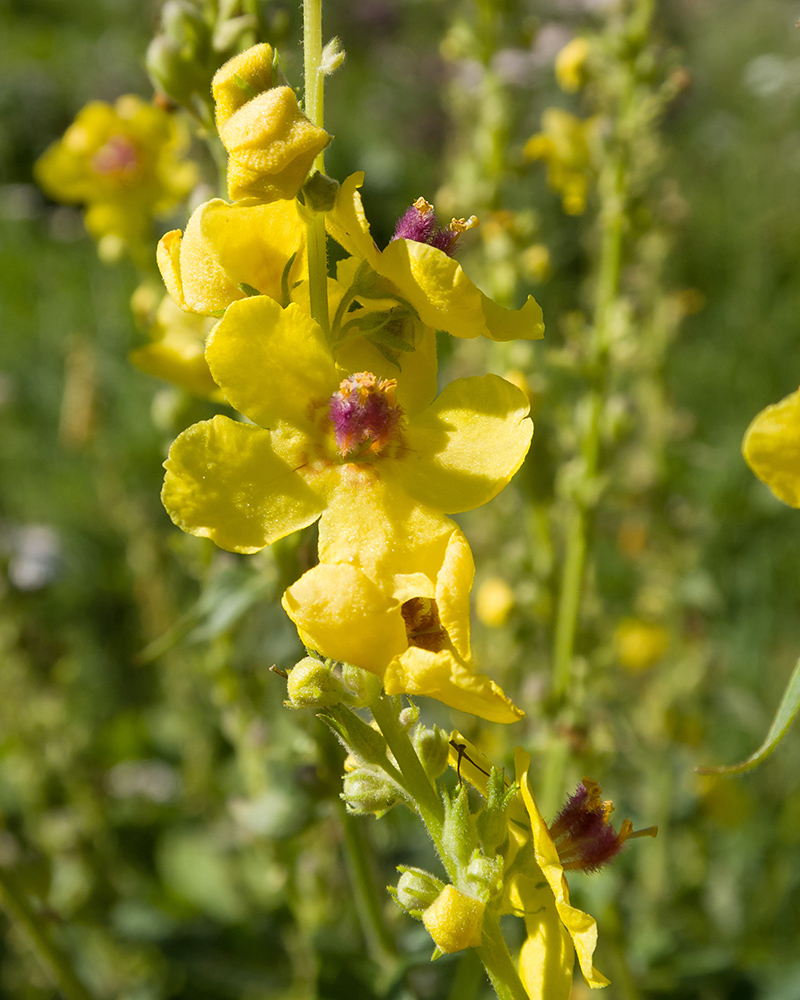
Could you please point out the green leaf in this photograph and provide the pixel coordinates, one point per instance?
(789, 706)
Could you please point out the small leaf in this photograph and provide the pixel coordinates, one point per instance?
(248, 289)
(789, 706)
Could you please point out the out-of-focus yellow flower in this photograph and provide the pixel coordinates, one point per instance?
(771, 448)
(271, 144)
(404, 617)
(454, 920)
(416, 268)
(536, 263)
(494, 602)
(177, 350)
(565, 146)
(125, 163)
(227, 251)
(334, 434)
(639, 644)
(571, 65)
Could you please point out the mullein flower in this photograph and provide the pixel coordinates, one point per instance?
(417, 268)
(404, 617)
(328, 440)
(228, 251)
(570, 65)
(271, 144)
(125, 163)
(771, 448)
(176, 351)
(565, 145)
(536, 858)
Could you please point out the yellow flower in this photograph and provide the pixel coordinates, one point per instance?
(494, 602)
(771, 448)
(124, 162)
(565, 145)
(424, 275)
(335, 434)
(177, 350)
(556, 930)
(226, 247)
(454, 920)
(403, 615)
(271, 144)
(571, 65)
(639, 644)
(536, 857)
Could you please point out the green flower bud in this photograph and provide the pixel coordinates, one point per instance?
(458, 833)
(183, 23)
(484, 876)
(320, 192)
(416, 890)
(361, 684)
(313, 684)
(369, 791)
(432, 748)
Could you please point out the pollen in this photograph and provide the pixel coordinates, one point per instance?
(365, 414)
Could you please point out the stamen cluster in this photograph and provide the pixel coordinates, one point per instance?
(421, 224)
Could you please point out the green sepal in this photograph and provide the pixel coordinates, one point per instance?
(248, 289)
(459, 839)
(366, 744)
(492, 824)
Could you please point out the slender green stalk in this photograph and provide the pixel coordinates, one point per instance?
(612, 187)
(50, 954)
(314, 108)
(416, 781)
(498, 962)
(380, 942)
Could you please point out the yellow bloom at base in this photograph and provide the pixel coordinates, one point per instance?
(271, 144)
(570, 65)
(771, 448)
(124, 162)
(322, 436)
(426, 277)
(226, 247)
(454, 920)
(403, 615)
(565, 146)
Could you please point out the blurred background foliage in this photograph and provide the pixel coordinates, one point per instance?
(178, 828)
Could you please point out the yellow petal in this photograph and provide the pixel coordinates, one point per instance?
(467, 445)
(441, 676)
(547, 954)
(771, 448)
(348, 224)
(179, 360)
(272, 364)
(225, 246)
(340, 613)
(582, 928)
(398, 543)
(504, 324)
(454, 920)
(225, 482)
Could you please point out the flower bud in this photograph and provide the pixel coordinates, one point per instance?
(312, 684)
(270, 142)
(361, 684)
(240, 79)
(454, 920)
(320, 192)
(485, 876)
(432, 748)
(369, 791)
(416, 889)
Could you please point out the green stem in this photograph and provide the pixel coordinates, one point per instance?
(498, 962)
(416, 781)
(612, 219)
(48, 951)
(314, 108)
(380, 942)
